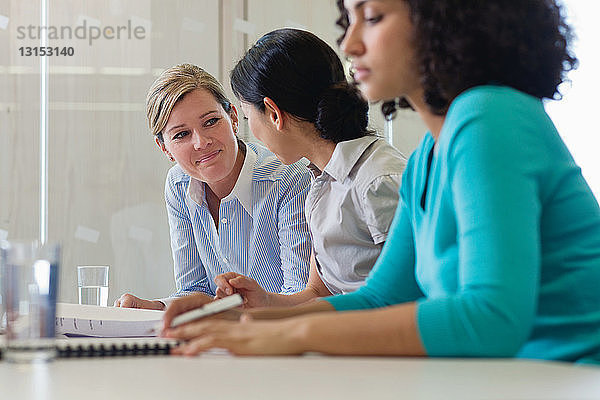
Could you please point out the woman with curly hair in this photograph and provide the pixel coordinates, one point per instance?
(495, 247)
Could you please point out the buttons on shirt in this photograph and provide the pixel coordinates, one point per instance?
(223, 220)
(225, 260)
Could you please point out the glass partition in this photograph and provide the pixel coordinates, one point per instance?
(105, 176)
(19, 125)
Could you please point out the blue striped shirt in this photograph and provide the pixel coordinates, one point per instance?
(262, 230)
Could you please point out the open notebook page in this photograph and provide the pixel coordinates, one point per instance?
(86, 320)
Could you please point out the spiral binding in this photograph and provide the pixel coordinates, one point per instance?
(112, 347)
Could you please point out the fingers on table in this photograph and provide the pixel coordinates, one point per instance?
(126, 300)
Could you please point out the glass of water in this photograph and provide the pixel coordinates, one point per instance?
(29, 287)
(92, 282)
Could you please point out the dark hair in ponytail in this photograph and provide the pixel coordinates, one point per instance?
(305, 77)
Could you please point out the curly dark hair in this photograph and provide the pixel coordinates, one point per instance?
(524, 44)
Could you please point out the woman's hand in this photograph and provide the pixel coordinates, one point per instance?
(252, 293)
(247, 337)
(193, 301)
(130, 301)
(184, 304)
(385, 331)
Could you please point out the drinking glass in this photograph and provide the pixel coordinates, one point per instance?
(92, 282)
(29, 288)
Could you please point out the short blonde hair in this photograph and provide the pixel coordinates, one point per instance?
(171, 86)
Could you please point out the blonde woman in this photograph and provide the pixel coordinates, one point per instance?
(232, 206)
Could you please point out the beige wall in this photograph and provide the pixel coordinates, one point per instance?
(106, 176)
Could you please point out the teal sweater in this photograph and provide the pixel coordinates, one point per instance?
(503, 255)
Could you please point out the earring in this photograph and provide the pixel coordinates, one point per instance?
(351, 67)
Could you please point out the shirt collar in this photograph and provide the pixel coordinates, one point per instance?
(345, 155)
(242, 190)
(314, 170)
(243, 187)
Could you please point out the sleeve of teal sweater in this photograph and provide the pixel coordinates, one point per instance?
(494, 163)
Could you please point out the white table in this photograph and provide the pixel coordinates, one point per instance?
(215, 376)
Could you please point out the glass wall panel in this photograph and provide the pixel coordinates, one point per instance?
(107, 175)
(19, 123)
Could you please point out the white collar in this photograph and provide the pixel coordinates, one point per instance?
(345, 156)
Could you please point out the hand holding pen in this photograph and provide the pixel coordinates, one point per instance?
(193, 307)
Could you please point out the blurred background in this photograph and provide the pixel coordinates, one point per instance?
(77, 163)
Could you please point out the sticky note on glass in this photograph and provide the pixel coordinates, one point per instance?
(87, 234)
(244, 26)
(89, 21)
(3, 22)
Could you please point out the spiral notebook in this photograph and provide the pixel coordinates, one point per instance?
(95, 331)
(109, 347)
(113, 347)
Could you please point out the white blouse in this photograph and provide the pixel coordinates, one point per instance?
(349, 209)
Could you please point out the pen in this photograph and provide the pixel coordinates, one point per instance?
(214, 307)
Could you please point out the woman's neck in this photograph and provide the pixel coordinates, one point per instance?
(319, 151)
(433, 121)
(222, 188)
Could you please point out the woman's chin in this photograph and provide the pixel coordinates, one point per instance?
(372, 94)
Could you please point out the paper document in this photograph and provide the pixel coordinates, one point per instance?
(85, 320)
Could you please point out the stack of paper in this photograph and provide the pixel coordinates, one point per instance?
(85, 320)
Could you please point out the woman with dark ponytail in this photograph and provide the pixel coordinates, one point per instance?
(295, 95)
